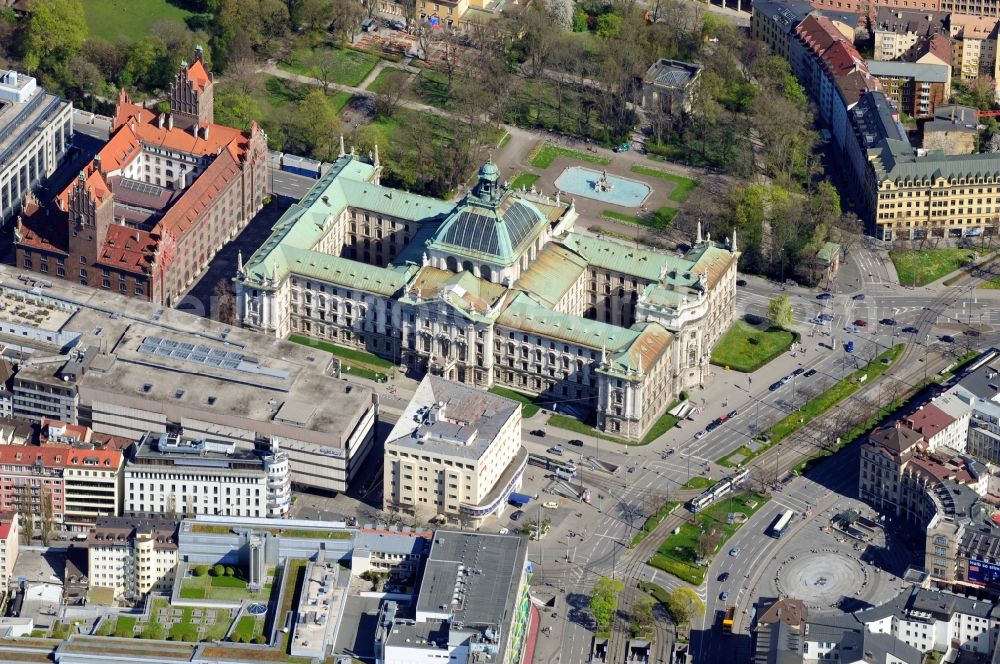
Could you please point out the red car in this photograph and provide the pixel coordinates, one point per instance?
(861, 322)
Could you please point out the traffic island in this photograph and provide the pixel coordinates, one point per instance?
(687, 552)
(746, 348)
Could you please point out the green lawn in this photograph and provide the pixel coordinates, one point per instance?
(125, 627)
(524, 180)
(540, 104)
(652, 521)
(221, 588)
(658, 221)
(384, 78)
(684, 186)
(120, 20)
(528, 406)
(662, 425)
(677, 554)
(544, 155)
(918, 268)
(353, 361)
(746, 348)
(350, 66)
(698, 482)
(247, 629)
(431, 87)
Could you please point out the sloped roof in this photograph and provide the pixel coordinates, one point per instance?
(638, 355)
(463, 291)
(553, 272)
(181, 216)
(345, 272)
(649, 265)
(128, 249)
(527, 315)
(198, 76)
(895, 438)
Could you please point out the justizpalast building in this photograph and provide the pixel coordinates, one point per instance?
(498, 289)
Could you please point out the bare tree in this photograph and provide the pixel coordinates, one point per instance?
(387, 101)
(225, 302)
(707, 542)
(324, 65)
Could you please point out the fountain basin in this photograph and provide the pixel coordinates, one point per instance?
(580, 181)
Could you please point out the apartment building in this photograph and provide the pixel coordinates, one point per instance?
(183, 185)
(391, 552)
(455, 453)
(896, 31)
(10, 542)
(974, 46)
(773, 22)
(940, 430)
(132, 557)
(36, 129)
(170, 476)
(54, 486)
(915, 89)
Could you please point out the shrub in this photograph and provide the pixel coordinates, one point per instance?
(200, 570)
(261, 639)
(229, 571)
(218, 570)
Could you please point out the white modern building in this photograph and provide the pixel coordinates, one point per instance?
(132, 556)
(176, 477)
(10, 542)
(35, 132)
(455, 453)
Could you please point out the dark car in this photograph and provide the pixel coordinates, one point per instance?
(516, 516)
(859, 296)
(947, 338)
(576, 442)
(731, 414)
(723, 577)
(712, 426)
(824, 296)
(971, 333)
(775, 386)
(826, 317)
(888, 321)
(798, 372)
(910, 330)
(810, 373)
(741, 282)
(539, 433)
(397, 25)
(723, 596)
(861, 322)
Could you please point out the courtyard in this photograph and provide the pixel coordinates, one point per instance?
(173, 623)
(225, 587)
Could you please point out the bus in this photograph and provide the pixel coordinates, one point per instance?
(781, 524)
(727, 619)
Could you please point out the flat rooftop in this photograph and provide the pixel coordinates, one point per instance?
(33, 310)
(452, 419)
(473, 577)
(319, 610)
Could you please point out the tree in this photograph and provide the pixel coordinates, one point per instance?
(324, 65)
(317, 125)
(345, 17)
(218, 570)
(387, 100)
(608, 25)
(779, 312)
(707, 543)
(684, 604)
(642, 612)
(55, 34)
(561, 12)
(604, 600)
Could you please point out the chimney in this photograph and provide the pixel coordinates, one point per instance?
(159, 121)
(205, 132)
(97, 164)
(170, 122)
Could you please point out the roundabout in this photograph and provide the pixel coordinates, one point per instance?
(822, 577)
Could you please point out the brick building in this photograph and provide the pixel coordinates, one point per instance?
(166, 192)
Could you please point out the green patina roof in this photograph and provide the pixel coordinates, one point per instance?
(651, 340)
(346, 272)
(828, 252)
(610, 255)
(304, 224)
(527, 315)
(552, 274)
(493, 231)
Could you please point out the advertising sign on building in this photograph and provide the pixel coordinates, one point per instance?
(984, 573)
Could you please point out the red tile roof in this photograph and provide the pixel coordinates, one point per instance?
(180, 218)
(818, 32)
(196, 74)
(929, 420)
(58, 456)
(44, 228)
(128, 249)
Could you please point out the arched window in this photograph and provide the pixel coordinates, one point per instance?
(467, 266)
(486, 273)
(451, 263)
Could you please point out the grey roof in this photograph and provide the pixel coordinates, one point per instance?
(787, 13)
(403, 545)
(466, 425)
(482, 570)
(945, 605)
(902, 21)
(431, 635)
(672, 73)
(914, 70)
(982, 374)
(876, 121)
(894, 607)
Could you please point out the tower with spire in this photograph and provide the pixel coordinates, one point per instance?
(192, 94)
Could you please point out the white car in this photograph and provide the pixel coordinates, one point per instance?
(700, 435)
(504, 531)
(550, 505)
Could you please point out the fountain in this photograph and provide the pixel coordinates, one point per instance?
(603, 184)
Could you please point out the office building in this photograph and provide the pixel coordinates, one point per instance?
(915, 89)
(36, 129)
(159, 371)
(158, 201)
(132, 557)
(167, 475)
(455, 453)
(472, 605)
(496, 290)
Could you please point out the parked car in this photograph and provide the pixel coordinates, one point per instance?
(735, 551)
(849, 347)
(723, 577)
(816, 320)
(810, 373)
(971, 333)
(700, 435)
(824, 296)
(888, 321)
(798, 372)
(775, 386)
(861, 322)
(852, 329)
(731, 414)
(397, 25)
(538, 433)
(910, 330)
(516, 516)
(576, 442)
(947, 338)
(504, 531)
(712, 426)
(826, 317)
(723, 596)
(859, 297)
(741, 282)
(556, 449)
(550, 505)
